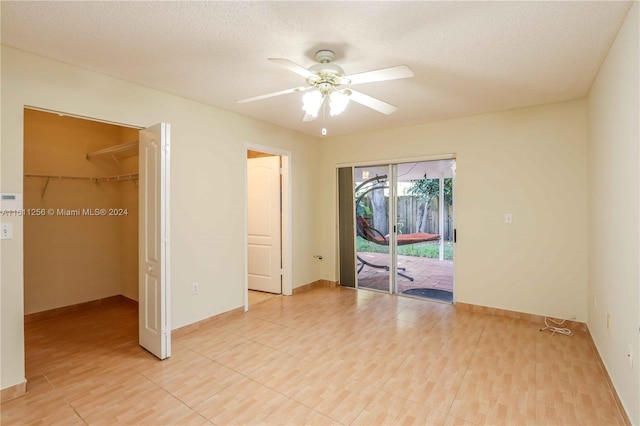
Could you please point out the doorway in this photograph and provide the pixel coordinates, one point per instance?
(85, 178)
(268, 226)
(72, 253)
(404, 228)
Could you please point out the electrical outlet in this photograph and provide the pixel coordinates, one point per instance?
(508, 218)
(194, 289)
(630, 355)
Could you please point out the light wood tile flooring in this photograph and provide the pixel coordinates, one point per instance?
(326, 356)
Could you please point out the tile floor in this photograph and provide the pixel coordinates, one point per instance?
(326, 356)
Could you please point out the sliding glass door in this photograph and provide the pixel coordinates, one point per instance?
(424, 204)
(403, 228)
(372, 223)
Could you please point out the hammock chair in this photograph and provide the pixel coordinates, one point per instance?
(369, 233)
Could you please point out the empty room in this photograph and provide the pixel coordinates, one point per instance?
(370, 213)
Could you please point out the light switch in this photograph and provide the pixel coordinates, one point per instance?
(508, 219)
(7, 231)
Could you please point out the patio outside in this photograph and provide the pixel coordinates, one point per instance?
(430, 273)
(423, 206)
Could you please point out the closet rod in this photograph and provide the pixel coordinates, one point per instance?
(114, 149)
(131, 176)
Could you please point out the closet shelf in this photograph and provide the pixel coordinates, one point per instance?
(116, 178)
(123, 150)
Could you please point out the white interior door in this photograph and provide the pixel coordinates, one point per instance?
(264, 238)
(153, 291)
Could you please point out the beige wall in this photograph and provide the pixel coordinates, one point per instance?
(207, 181)
(72, 259)
(529, 162)
(614, 212)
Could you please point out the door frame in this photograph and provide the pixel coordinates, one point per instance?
(286, 241)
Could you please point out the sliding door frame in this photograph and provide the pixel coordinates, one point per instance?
(346, 275)
(392, 165)
(393, 228)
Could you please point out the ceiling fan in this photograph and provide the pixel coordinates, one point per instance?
(326, 83)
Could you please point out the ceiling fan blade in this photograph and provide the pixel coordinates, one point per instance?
(292, 66)
(270, 95)
(392, 73)
(371, 102)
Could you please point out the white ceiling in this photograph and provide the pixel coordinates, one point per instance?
(468, 57)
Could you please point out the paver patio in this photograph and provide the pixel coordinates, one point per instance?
(426, 272)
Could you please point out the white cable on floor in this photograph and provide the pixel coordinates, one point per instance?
(554, 329)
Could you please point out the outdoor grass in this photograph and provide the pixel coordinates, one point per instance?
(428, 249)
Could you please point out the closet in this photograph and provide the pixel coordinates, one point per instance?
(81, 211)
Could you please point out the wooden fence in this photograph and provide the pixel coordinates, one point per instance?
(410, 209)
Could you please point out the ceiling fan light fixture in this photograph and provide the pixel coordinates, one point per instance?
(311, 102)
(338, 101)
(325, 86)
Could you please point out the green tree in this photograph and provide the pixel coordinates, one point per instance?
(429, 190)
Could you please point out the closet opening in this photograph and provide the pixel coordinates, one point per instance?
(81, 264)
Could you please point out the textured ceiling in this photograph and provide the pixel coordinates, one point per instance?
(468, 57)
